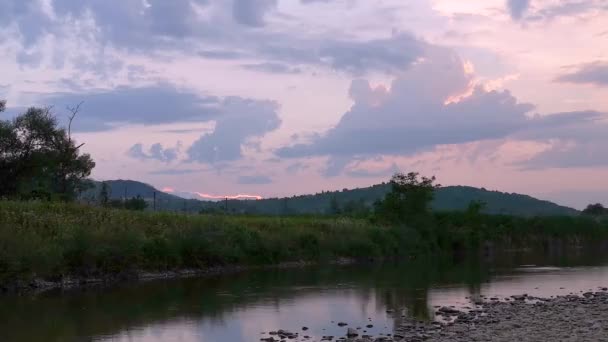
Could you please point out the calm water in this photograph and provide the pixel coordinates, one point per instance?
(240, 307)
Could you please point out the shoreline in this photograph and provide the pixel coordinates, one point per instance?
(517, 318)
(39, 285)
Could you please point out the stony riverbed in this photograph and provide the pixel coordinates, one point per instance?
(518, 318)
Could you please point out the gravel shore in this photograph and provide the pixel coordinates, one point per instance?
(520, 318)
(565, 318)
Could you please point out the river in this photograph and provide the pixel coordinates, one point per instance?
(246, 306)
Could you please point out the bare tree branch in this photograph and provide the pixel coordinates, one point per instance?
(73, 112)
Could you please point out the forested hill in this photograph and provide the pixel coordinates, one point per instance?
(354, 200)
(451, 198)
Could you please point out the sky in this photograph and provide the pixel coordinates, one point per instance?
(282, 97)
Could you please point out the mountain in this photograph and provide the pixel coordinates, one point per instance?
(450, 198)
(121, 189)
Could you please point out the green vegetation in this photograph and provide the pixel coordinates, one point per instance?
(51, 240)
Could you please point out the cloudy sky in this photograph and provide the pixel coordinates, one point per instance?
(282, 97)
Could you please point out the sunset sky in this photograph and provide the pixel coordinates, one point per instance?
(283, 97)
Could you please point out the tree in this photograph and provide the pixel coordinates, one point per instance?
(475, 208)
(410, 196)
(334, 206)
(38, 159)
(104, 194)
(136, 203)
(595, 210)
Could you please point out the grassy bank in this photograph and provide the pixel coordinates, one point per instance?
(52, 240)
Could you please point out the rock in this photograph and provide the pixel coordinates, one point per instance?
(342, 324)
(352, 332)
(448, 310)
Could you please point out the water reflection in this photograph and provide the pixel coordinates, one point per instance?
(240, 307)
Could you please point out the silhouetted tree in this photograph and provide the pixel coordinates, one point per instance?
(334, 206)
(410, 196)
(40, 159)
(475, 208)
(136, 203)
(596, 209)
(104, 194)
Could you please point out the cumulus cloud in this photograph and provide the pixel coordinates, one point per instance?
(175, 172)
(567, 154)
(241, 120)
(414, 115)
(273, 68)
(392, 54)
(435, 102)
(372, 173)
(237, 120)
(576, 139)
(567, 8)
(90, 32)
(155, 152)
(595, 73)
(128, 23)
(522, 9)
(254, 179)
(517, 8)
(152, 105)
(252, 12)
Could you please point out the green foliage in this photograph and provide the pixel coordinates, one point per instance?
(51, 240)
(410, 196)
(38, 159)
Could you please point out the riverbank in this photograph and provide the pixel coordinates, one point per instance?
(523, 318)
(39, 285)
(44, 244)
(517, 318)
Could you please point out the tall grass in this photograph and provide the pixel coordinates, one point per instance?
(51, 240)
(54, 240)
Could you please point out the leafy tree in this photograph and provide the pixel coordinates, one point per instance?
(410, 196)
(596, 209)
(38, 159)
(136, 203)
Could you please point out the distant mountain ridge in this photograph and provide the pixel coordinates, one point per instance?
(449, 198)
